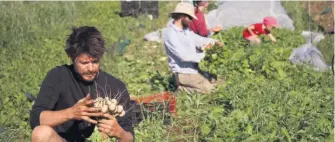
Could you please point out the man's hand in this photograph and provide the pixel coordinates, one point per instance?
(207, 47)
(111, 127)
(219, 43)
(217, 29)
(82, 110)
(210, 45)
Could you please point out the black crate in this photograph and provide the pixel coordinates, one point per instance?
(136, 115)
(135, 8)
(150, 7)
(130, 8)
(142, 111)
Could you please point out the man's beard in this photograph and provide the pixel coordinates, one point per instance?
(91, 74)
(184, 23)
(80, 76)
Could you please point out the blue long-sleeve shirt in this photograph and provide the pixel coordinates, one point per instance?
(181, 48)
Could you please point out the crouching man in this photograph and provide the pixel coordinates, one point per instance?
(63, 110)
(184, 49)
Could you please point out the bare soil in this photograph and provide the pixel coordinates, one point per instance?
(326, 21)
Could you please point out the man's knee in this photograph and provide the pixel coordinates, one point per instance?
(189, 90)
(41, 133)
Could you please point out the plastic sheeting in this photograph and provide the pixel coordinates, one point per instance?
(238, 13)
(157, 36)
(313, 37)
(309, 53)
(245, 13)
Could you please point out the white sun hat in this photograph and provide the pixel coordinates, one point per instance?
(185, 8)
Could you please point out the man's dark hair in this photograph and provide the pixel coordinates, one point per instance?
(86, 40)
(177, 16)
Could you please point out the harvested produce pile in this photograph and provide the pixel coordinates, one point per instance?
(109, 105)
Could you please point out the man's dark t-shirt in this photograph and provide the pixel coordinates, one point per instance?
(62, 88)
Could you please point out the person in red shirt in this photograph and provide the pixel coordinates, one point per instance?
(252, 32)
(199, 26)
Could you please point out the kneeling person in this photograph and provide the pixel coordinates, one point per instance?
(182, 48)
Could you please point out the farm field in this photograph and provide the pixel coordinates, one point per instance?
(264, 98)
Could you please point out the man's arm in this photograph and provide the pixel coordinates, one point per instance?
(210, 33)
(79, 111)
(46, 100)
(126, 137)
(120, 127)
(58, 117)
(110, 126)
(186, 54)
(200, 41)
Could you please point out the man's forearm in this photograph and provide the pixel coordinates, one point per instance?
(185, 56)
(54, 118)
(126, 137)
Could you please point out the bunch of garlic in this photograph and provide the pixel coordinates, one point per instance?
(108, 105)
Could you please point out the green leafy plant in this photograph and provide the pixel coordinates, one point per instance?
(265, 98)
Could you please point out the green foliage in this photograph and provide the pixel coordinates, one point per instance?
(301, 22)
(26, 39)
(32, 41)
(272, 99)
(266, 98)
(238, 57)
(326, 47)
(96, 137)
(212, 5)
(299, 15)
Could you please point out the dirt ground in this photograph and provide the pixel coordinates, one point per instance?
(326, 21)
